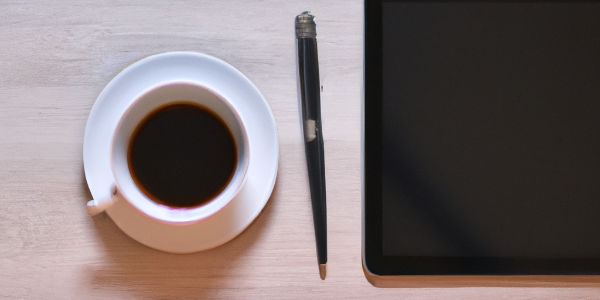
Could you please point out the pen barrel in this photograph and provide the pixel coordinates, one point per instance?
(310, 94)
(316, 174)
(310, 87)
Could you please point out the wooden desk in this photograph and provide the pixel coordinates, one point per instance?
(55, 59)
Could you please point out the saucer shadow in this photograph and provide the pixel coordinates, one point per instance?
(127, 265)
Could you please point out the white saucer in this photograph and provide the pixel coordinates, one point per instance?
(262, 135)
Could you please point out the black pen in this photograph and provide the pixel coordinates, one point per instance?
(308, 69)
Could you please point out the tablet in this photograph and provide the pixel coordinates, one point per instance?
(481, 138)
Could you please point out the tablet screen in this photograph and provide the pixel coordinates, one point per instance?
(490, 139)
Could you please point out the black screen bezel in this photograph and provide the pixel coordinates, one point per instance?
(374, 260)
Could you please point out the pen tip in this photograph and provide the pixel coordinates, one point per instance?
(322, 271)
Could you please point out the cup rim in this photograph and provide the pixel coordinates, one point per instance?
(243, 167)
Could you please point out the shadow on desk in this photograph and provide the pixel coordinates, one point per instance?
(129, 265)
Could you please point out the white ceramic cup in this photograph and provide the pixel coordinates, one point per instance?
(125, 188)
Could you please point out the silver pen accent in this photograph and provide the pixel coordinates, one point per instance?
(305, 25)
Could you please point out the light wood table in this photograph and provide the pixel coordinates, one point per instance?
(55, 58)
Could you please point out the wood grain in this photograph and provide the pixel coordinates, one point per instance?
(55, 59)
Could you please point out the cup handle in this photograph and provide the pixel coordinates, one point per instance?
(96, 206)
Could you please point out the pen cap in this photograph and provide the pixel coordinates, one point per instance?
(305, 25)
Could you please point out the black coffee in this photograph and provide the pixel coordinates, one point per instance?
(182, 155)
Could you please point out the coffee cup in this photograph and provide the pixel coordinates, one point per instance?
(128, 188)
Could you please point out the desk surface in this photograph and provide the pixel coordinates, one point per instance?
(54, 61)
